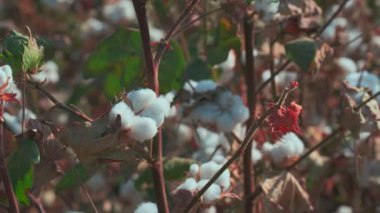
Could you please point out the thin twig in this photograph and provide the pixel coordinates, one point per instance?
(59, 104)
(85, 191)
(37, 202)
(366, 101)
(4, 170)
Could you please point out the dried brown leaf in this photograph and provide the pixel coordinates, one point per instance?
(286, 193)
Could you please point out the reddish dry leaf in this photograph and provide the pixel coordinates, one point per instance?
(286, 193)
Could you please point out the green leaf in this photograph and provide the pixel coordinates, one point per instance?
(223, 39)
(176, 168)
(171, 69)
(21, 168)
(74, 177)
(198, 69)
(302, 51)
(13, 49)
(117, 56)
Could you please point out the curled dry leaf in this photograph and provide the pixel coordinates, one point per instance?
(305, 17)
(324, 51)
(286, 193)
(366, 118)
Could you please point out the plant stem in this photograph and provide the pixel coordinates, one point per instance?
(152, 76)
(251, 84)
(13, 205)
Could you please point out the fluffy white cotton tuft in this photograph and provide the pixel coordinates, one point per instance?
(97, 182)
(289, 146)
(48, 73)
(142, 129)
(126, 114)
(347, 65)
(194, 170)
(268, 7)
(147, 207)
(190, 184)
(158, 109)
(256, 154)
(205, 85)
(129, 193)
(209, 169)
(141, 98)
(12, 123)
(364, 79)
(212, 193)
(119, 11)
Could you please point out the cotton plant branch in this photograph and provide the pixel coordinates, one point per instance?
(7, 183)
(245, 143)
(250, 81)
(59, 104)
(151, 70)
(288, 61)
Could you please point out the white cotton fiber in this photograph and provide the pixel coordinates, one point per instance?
(289, 146)
(190, 86)
(141, 98)
(12, 123)
(142, 129)
(365, 79)
(256, 155)
(147, 207)
(190, 184)
(208, 170)
(212, 193)
(28, 115)
(119, 10)
(239, 111)
(347, 65)
(225, 122)
(126, 114)
(205, 85)
(158, 109)
(268, 7)
(194, 170)
(97, 182)
(49, 72)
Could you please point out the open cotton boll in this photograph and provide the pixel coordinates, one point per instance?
(141, 98)
(28, 115)
(126, 114)
(267, 147)
(190, 184)
(227, 67)
(147, 207)
(155, 114)
(239, 111)
(194, 170)
(268, 7)
(211, 209)
(344, 209)
(7, 70)
(119, 11)
(129, 193)
(205, 85)
(353, 35)
(212, 193)
(288, 146)
(256, 155)
(97, 182)
(12, 123)
(365, 79)
(48, 73)
(92, 26)
(347, 65)
(330, 31)
(225, 122)
(156, 34)
(205, 112)
(207, 170)
(142, 129)
(190, 86)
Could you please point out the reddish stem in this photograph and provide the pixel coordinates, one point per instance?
(151, 70)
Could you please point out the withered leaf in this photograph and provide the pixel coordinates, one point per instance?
(286, 193)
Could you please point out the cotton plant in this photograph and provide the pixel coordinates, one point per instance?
(213, 107)
(147, 207)
(199, 177)
(142, 113)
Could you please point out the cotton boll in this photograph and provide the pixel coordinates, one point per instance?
(126, 114)
(12, 123)
(224, 180)
(194, 170)
(147, 207)
(268, 7)
(212, 193)
(49, 73)
(129, 193)
(267, 147)
(92, 26)
(120, 10)
(354, 33)
(344, 209)
(205, 112)
(207, 170)
(239, 111)
(289, 146)
(143, 129)
(183, 134)
(28, 115)
(205, 85)
(347, 65)
(190, 184)
(227, 68)
(225, 122)
(8, 71)
(256, 155)
(156, 34)
(330, 31)
(211, 209)
(190, 86)
(154, 114)
(141, 98)
(365, 79)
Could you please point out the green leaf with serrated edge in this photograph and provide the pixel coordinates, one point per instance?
(120, 54)
(302, 52)
(198, 69)
(21, 168)
(72, 179)
(171, 69)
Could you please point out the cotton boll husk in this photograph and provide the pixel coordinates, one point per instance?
(142, 129)
(141, 98)
(239, 111)
(212, 193)
(147, 207)
(225, 122)
(126, 114)
(190, 184)
(205, 85)
(194, 170)
(12, 123)
(347, 65)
